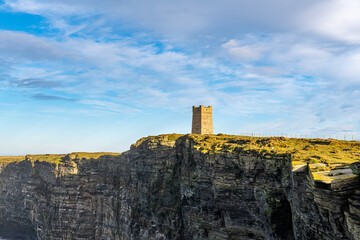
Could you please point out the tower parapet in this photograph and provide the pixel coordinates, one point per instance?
(202, 122)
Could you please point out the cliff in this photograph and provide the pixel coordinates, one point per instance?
(187, 187)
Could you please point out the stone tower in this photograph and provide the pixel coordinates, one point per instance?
(202, 122)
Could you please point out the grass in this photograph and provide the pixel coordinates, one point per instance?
(9, 159)
(51, 158)
(313, 151)
(54, 158)
(87, 155)
(163, 137)
(329, 151)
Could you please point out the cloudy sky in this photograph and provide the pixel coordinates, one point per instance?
(89, 75)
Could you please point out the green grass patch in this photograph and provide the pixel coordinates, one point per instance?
(94, 155)
(163, 137)
(328, 151)
(51, 158)
(10, 159)
(55, 158)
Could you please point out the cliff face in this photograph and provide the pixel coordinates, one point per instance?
(166, 188)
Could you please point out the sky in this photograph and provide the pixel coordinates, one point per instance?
(89, 75)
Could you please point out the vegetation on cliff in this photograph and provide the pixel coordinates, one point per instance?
(160, 138)
(312, 151)
(9, 159)
(328, 151)
(327, 159)
(55, 158)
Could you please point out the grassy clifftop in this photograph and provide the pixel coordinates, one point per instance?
(313, 151)
(328, 159)
(55, 158)
(9, 159)
(329, 151)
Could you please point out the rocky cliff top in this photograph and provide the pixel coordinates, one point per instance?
(326, 159)
(330, 152)
(55, 158)
(188, 187)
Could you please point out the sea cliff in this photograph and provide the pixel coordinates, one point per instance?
(187, 187)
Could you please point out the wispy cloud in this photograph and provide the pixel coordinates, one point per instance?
(28, 46)
(278, 65)
(37, 83)
(183, 18)
(242, 52)
(44, 97)
(339, 20)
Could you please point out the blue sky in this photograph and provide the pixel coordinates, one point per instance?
(98, 75)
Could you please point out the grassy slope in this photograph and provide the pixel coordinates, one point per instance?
(162, 137)
(327, 151)
(9, 159)
(54, 158)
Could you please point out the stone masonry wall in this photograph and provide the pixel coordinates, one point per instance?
(202, 122)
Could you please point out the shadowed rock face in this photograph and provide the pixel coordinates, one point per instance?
(166, 189)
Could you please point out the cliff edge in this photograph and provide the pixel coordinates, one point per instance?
(187, 187)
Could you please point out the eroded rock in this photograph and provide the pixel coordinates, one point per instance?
(169, 188)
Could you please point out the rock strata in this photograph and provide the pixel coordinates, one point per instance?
(165, 187)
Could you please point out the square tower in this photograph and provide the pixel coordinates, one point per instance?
(202, 122)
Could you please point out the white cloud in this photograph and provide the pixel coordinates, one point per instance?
(295, 74)
(240, 52)
(110, 106)
(336, 19)
(41, 7)
(20, 44)
(180, 18)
